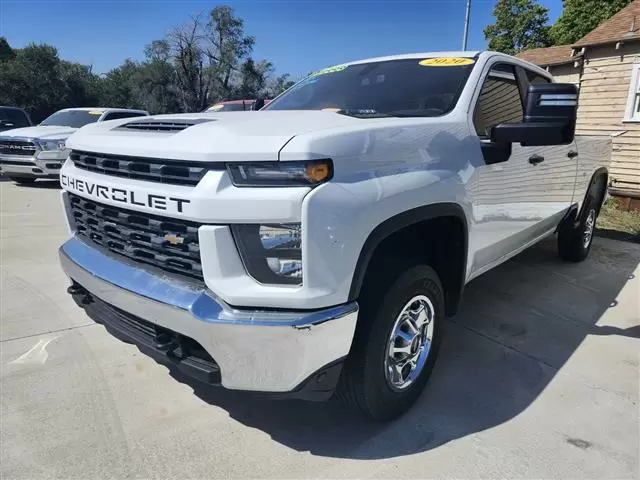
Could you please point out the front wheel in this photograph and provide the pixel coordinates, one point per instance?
(396, 343)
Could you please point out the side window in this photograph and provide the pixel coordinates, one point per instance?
(119, 115)
(499, 101)
(536, 78)
(17, 118)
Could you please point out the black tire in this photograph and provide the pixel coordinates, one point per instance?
(364, 382)
(23, 180)
(575, 238)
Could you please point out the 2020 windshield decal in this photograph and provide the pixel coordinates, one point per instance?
(446, 62)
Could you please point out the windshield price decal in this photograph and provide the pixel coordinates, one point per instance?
(446, 62)
(334, 69)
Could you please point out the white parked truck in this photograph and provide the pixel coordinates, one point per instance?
(39, 151)
(317, 245)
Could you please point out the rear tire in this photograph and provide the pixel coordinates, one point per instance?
(575, 238)
(23, 180)
(382, 384)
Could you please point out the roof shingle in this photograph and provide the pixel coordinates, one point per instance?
(545, 57)
(624, 25)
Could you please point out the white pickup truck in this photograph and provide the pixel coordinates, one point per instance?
(39, 151)
(317, 245)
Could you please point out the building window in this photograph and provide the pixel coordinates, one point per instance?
(632, 112)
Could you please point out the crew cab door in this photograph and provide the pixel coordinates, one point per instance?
(520, 193)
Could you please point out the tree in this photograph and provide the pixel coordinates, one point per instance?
(579, 17)
(201, 62)
(33, 81)
(6, 52)
(228, 45)
(280, 84)
(520, 25)
(119, 88)
(253, 79)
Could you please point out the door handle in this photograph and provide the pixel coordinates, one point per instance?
(536, 159)
(572, 154)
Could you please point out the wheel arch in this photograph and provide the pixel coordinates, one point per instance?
(405, 220)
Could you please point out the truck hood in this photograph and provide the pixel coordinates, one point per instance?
(44, 132)
(207, 137)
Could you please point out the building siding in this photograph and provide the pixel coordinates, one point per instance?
(566, 73)
(604, 89)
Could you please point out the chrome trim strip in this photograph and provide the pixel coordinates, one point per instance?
(558, 103)
(185, 295)
(558, 96)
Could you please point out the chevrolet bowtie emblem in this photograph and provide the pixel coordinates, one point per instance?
(174, 239)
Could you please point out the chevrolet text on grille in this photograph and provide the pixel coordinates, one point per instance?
(158, 202)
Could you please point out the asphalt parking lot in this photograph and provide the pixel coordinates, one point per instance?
(538, 378)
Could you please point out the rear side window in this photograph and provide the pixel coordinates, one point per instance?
(536, 78)
(119, 115)
(14, 118)
(500, 100)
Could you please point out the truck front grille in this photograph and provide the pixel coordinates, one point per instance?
(174, 172)
(166, 243)
(17, 147)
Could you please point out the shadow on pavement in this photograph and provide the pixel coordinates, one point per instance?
(45, 183)
(517, 327)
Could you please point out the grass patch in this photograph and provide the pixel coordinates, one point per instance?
(617, 222)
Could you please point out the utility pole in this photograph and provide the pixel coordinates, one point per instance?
(466, 25)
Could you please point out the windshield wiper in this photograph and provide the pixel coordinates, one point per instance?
(363, 113)
(373, 113)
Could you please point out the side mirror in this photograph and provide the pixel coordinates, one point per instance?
(549, 117)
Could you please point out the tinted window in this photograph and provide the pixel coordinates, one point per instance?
(13, 118)
(72, 118)
(395, 87)
(118, 115)
(499, 101)
(536, 78)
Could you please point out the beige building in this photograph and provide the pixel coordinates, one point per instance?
(558, 61)
(605, 64)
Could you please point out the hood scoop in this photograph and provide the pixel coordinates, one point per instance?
(167, 125)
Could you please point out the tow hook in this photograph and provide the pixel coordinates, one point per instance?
(79, 294)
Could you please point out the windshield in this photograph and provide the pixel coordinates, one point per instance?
(407, 87)
(72, 118)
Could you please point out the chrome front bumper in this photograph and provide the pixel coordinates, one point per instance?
(256, 350)
(25, 166)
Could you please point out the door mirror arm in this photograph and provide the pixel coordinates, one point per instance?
(495, 152)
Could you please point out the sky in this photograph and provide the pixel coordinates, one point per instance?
(298, 36)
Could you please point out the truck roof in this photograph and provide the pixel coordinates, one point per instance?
(404, 56)
(103, 109)
(455, 53)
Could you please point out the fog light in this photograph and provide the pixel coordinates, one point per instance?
(271, 253)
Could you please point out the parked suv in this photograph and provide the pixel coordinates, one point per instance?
(318, 244)
(33, 152)
(13, 117)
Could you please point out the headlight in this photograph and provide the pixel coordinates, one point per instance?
(280, 174)
(51, 145)
(271, 254)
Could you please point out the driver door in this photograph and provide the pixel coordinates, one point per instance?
(514, 202)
